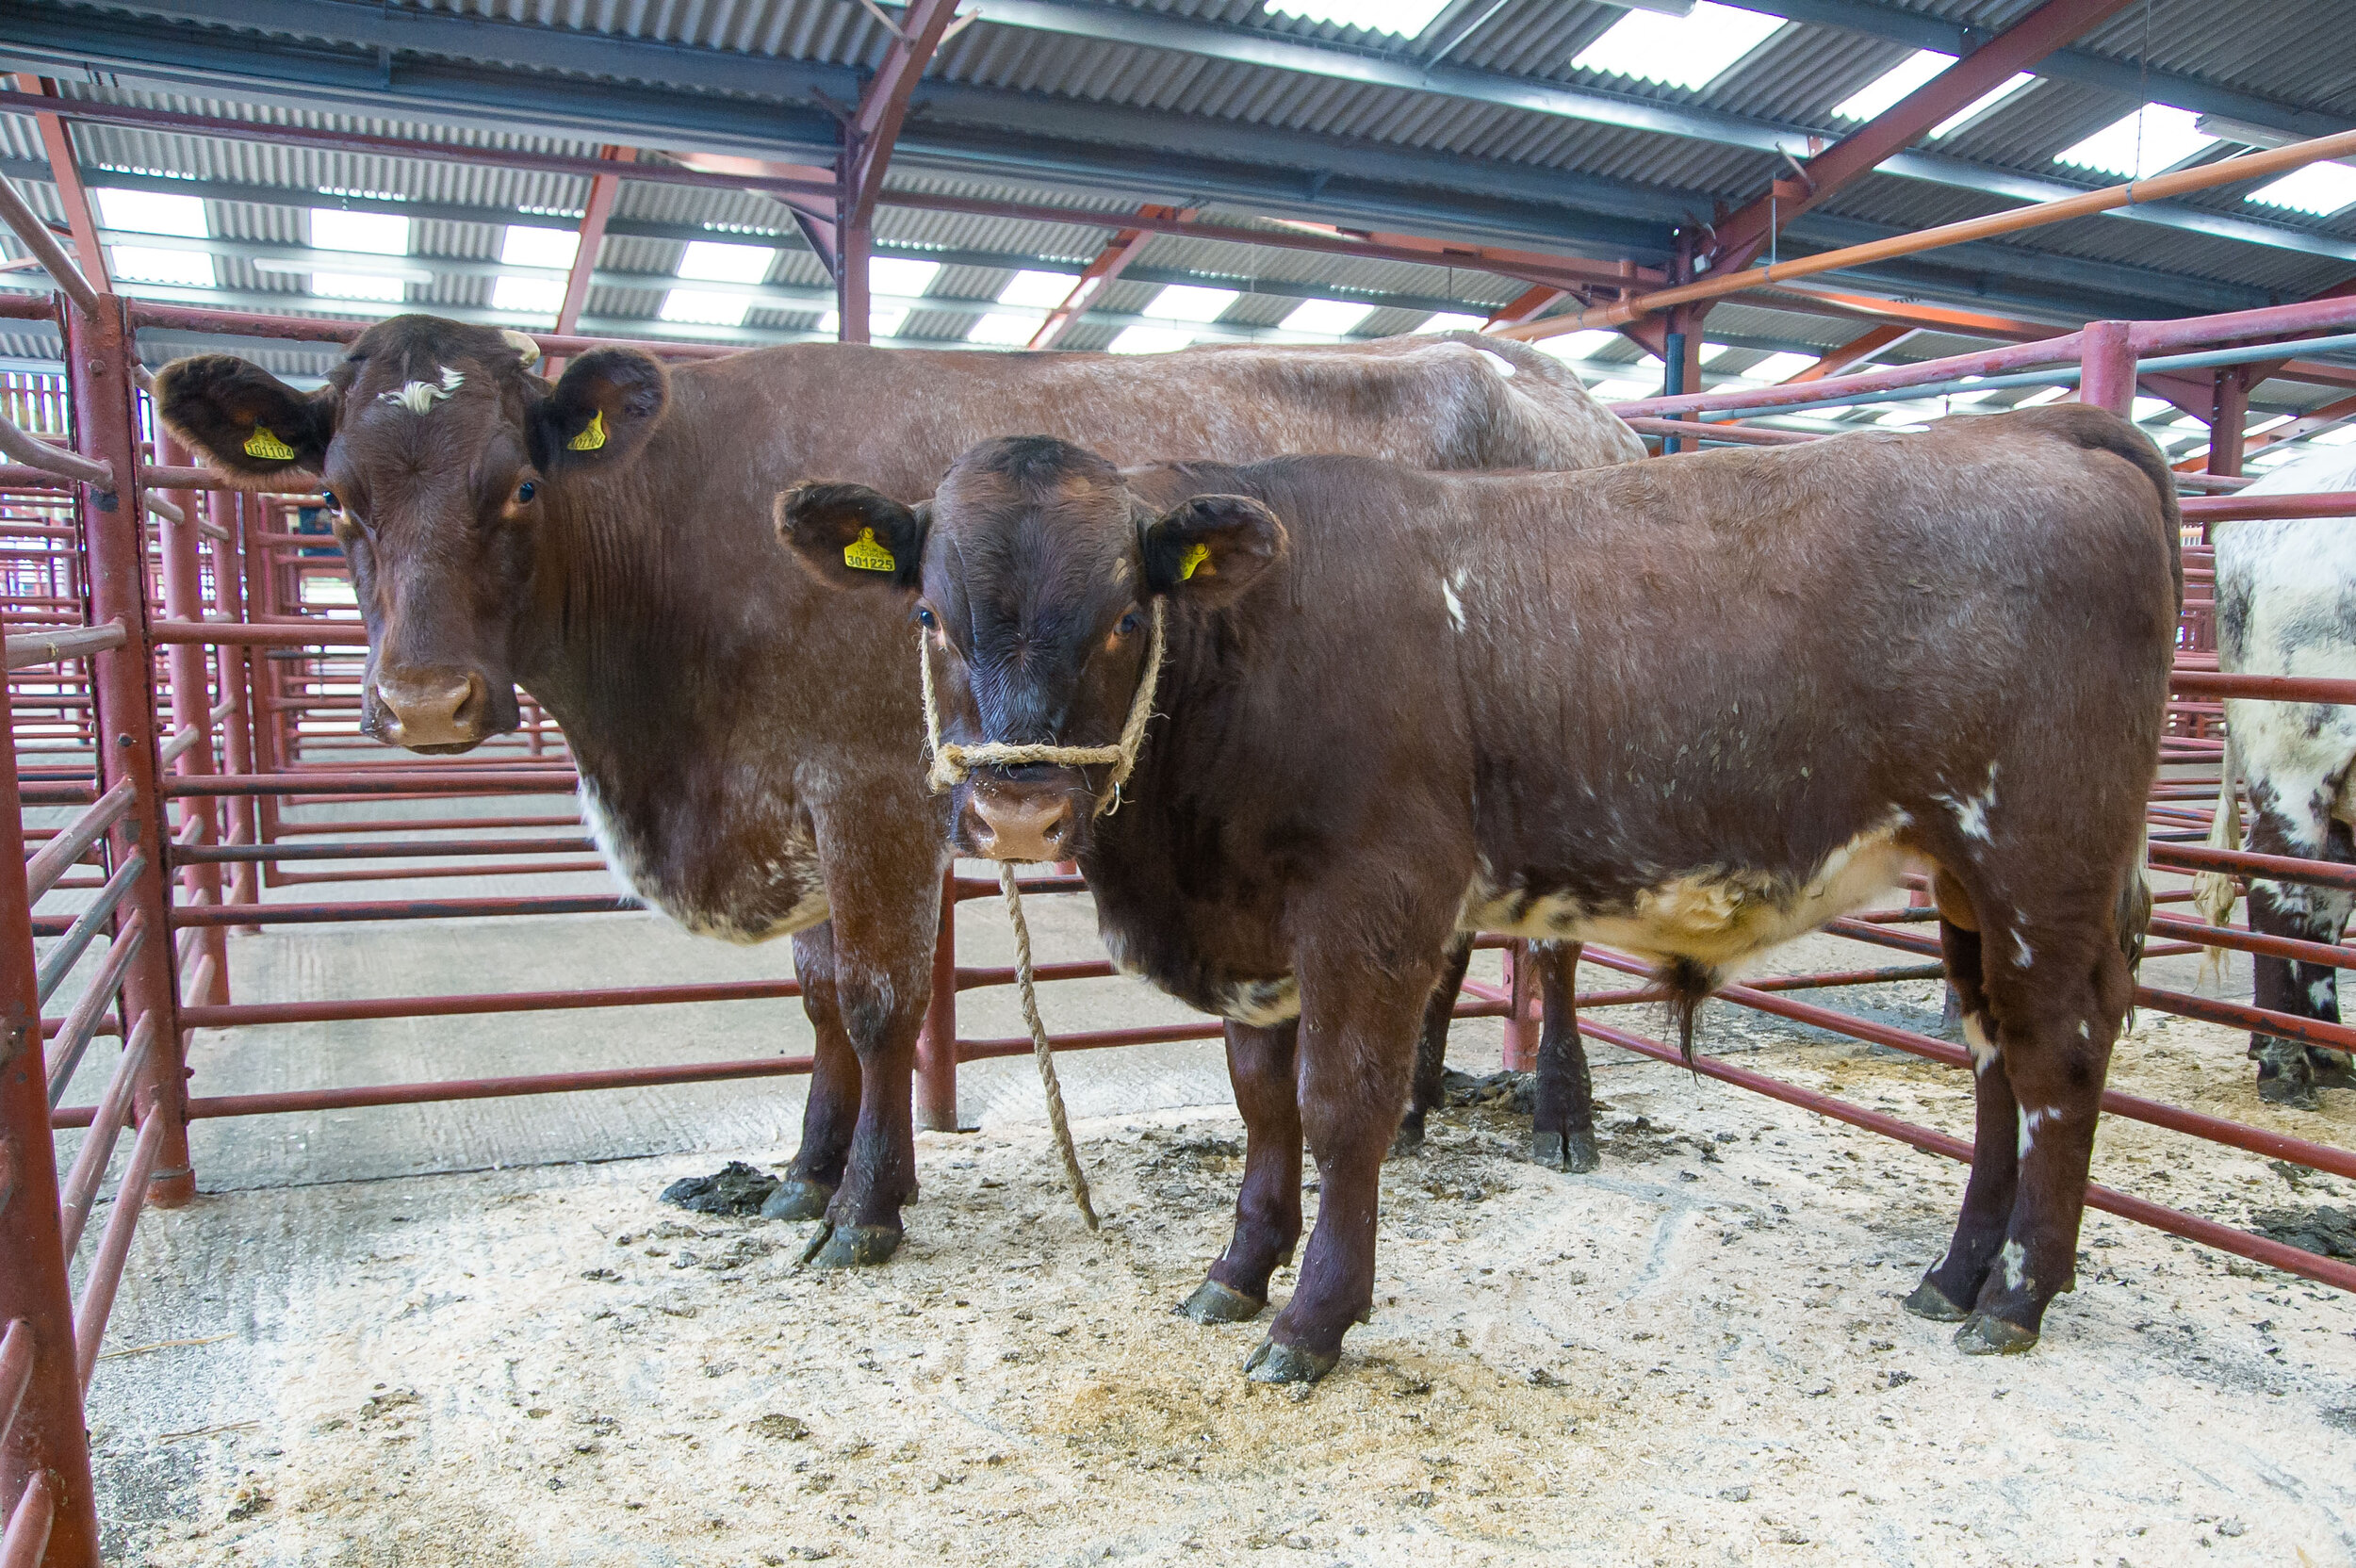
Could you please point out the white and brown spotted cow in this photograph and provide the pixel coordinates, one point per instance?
(2286, 606)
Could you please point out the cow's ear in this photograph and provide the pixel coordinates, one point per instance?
(243, 419)
(601, 411)
(849, 537)
(1209, 550)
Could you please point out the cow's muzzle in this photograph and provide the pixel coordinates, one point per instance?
(1021, 821)
(433, 709)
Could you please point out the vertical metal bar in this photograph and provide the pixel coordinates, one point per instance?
(2228, 416)
(98, 348)
(1527, 1010)
(851, 298)
(2109, 358)
(936, 1043)
(47, 1438)
(228, 510)
(192, 704)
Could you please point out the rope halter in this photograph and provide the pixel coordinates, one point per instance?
(951, 764)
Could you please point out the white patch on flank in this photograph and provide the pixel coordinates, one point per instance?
(2284, 591)
(1972, 815)
(2085, 1030)
(2014, 1257)
(797, 867)
(1984, 1053)
(1505, 365)
(2030, 1120)
(1447, 593)
(1717, 917)
(2022, 955)
(419, 396)
(2322, 993)
(1263, 1004)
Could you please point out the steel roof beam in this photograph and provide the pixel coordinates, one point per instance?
(1111, 261)
(65, 172)
(44, 32)
(603, 189)
(1817, 179)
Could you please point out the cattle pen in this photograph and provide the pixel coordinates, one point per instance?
(186, 674)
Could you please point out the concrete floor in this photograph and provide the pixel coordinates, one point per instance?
(236, 1290)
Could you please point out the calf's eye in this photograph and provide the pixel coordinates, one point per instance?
(1129, 623)
(525, 491)
(924, 618)
(333, 504)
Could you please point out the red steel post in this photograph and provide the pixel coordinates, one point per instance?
(2108, 355)
(1525, 1010)
(192, 706)
(45, 1438)
(2229, 414)
(99, 352)
(936, 1043)
(228, 510)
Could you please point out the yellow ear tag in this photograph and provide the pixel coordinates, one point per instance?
(592, 434)
(867, 556)
(262, 444)
(1195, 555)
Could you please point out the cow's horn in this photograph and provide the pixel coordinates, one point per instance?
(524, 344)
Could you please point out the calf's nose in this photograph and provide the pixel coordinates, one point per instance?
(433, 709)
(1025, 825)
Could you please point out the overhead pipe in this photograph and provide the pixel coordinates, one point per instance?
(2249, 166)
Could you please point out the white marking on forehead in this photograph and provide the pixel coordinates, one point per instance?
(419, 397)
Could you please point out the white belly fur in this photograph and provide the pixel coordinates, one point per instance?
(1717, 918)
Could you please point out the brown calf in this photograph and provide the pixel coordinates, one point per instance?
(1690, 708)
(748, 748)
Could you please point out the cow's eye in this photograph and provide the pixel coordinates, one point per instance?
(333, 504)
(924, 618)
(525, 491)
(1129, 623)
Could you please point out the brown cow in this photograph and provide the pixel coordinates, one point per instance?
(1690, 708)
(746, 751)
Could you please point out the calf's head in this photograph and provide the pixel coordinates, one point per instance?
(441, 452)
(1034, 573)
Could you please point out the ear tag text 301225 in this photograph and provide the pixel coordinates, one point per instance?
(865, 555)
(592, 434)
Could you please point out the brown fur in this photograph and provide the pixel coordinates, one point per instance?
(750, 742)
(1614, 697)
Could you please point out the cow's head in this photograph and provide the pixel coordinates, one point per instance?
(440, 451)
(1033, 573)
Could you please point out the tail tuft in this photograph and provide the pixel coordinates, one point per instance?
(1686, 985)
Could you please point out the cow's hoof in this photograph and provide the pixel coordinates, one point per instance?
(2281, 1089)
(1213, 1302)
(1286, 1364)
(797, 1198)
(851, 1247)
(1984, 1334)
(2333, 1070)
(1930, 1301)
(1573, 1153)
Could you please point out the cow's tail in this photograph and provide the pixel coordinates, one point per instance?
(2214, 891)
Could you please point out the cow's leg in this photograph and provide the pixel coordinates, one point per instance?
(1268, 1205)
(832, 1110)
(2289, 1071)
(1357, 1049)
(1431, 1047)
(1953, 1283)
(1563, 1128)
(2059, 990)
(883, 886)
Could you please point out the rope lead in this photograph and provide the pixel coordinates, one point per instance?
(1074, 1176)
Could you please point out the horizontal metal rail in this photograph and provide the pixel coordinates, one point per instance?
(112, 1114)
(237, 1014)
(212, 854)
(352, 781)
(48, 863)
(97, 1303)
(73, 1036)
(2241, 863)
(412, 908)
(32, 646)
(58, 961)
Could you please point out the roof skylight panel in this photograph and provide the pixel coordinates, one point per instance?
(1187, 302)
(1690, 50)
(1334, 317)
(1452, 320)
(1884, 91)
(2320, 189)
(1148, 340)
(1402, 18)
(152, 212)
(1038, 290)
(1001, 329)
(381, 234)
(2154, 138)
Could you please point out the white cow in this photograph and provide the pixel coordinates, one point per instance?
(2286, 606)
